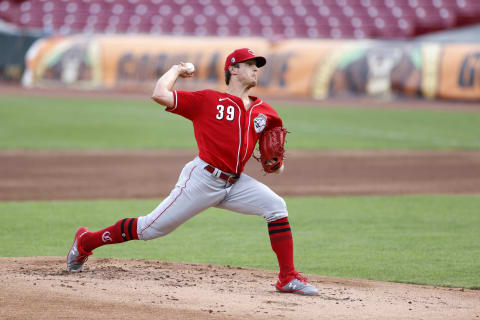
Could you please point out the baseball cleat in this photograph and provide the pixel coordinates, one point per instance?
(298, 285)
(77, 256)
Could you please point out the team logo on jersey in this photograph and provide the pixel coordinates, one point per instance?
(260, 122)
(106, 236)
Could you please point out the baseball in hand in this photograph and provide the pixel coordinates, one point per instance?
(189, 67)
(280, 170)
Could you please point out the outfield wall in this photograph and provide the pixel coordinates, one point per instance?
(14, 43)
(296, 68)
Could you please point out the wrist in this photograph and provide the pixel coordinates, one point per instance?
(176, 68)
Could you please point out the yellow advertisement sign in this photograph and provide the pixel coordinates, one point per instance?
(139, 60)
(291, 67)
(318, 69)
(136, 60)
(460, 72)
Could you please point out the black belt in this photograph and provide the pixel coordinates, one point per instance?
(222, 175)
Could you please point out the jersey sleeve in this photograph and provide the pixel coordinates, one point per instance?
(186, 103)
(273, 119)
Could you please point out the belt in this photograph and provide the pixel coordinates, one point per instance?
(222, 175)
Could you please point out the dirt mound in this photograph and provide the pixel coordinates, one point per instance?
(41, 288)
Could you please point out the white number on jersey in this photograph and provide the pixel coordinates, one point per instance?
(230, 113)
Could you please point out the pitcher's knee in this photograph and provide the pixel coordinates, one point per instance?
(149, 231)
(276, 209)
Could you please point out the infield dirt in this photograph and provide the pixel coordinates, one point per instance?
(43, 175)
(40, 287)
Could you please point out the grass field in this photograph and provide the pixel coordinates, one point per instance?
(418, 239)
(62, 123)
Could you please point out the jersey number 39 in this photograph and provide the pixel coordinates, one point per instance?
(221, 113)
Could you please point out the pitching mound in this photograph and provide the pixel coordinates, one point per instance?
(41, 288)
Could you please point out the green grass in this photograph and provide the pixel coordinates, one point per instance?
(415, 239)
(357, 128)
(80, 123)
(61, 123)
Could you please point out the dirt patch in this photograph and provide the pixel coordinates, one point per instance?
(152, 174)
(40, 288)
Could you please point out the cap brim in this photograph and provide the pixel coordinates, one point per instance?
(260, 61)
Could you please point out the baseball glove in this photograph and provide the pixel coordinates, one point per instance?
(272, 150)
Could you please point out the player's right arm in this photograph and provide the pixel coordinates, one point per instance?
(162, 93)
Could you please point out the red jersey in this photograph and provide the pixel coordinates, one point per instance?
(225, 131)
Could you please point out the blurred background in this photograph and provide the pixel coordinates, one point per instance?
(316, 49)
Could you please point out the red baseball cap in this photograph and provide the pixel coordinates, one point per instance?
(241, 55)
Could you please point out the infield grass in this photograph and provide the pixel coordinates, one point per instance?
(80, 123)
(414, 239)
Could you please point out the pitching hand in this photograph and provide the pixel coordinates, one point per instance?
(184, 70)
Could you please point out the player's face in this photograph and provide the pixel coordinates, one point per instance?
(248, 72)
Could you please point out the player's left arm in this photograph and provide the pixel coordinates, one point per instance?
(162, 93)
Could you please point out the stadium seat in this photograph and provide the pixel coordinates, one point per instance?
(396, 19)
(468, 11)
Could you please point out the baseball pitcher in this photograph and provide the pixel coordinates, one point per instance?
(227, 126)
